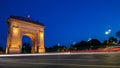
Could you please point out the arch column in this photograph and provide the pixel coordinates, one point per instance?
(41, 48)
(13, 41)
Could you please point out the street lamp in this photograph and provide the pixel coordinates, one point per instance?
(108, 32)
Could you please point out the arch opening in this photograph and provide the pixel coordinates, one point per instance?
(28, 44)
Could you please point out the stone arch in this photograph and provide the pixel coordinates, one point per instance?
(19, 26)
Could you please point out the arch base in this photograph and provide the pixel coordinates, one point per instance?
(41, 50)
(14, 50)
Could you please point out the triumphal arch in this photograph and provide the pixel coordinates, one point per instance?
(20, 26)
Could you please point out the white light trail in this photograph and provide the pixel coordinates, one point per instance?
(65, 53)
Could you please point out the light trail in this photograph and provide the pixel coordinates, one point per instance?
(65, 53)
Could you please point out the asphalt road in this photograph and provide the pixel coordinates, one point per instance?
(62, 61)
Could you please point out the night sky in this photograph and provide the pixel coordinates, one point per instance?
(66, 21)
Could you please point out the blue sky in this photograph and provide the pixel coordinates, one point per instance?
(66, 21)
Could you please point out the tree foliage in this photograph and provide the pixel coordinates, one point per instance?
(56, 48)
(94, 44)
(82, 45)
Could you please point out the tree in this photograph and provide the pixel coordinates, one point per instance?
(63, 48)
(72, 47)
(118, 35)
(48, 49)
(105, 44)
(94, 44)
(83, 45)
(1, 50)
(56, 48)
(112, 41)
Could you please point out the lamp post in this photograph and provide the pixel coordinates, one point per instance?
(108, 32)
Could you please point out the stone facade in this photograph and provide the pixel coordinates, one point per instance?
(17, 28)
